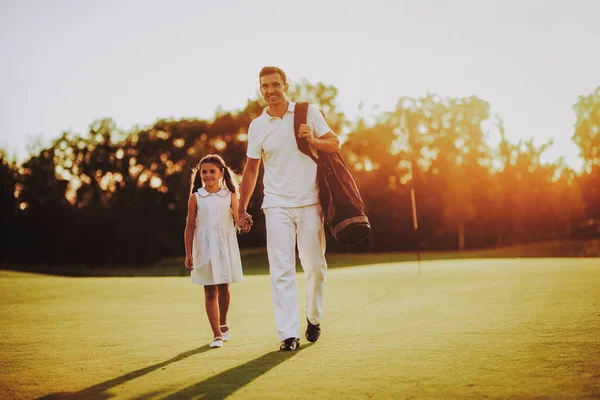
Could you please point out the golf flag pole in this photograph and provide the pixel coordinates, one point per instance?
(413, 202)
(413, 173)
(414, 208)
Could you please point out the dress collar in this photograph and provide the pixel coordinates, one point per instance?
(204, 193)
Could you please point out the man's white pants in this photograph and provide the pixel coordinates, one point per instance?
(284, 226)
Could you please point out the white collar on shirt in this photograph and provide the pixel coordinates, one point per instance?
(291, 108)
(204, 193)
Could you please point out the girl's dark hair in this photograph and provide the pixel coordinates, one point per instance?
(229, 177)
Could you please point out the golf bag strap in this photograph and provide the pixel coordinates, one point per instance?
(301, 117)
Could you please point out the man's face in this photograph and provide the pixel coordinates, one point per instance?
(273, 89)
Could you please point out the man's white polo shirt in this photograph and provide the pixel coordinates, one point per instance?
(290, 178)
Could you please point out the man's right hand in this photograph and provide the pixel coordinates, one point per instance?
(245, 221)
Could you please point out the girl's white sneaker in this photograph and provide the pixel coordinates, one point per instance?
(216, 342)
(227, 334)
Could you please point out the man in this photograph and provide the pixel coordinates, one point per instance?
(291, 205)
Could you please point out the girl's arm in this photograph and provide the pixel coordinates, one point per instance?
(190, 227)
(235, 203)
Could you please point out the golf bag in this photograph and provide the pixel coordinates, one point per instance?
(339, 197)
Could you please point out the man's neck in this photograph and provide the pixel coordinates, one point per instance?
(278, 111)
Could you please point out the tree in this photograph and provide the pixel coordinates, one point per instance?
(447, 145)
(587, 128)
(587, 137)
(9, 205)
(377, 169)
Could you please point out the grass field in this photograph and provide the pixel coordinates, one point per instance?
(493, 328)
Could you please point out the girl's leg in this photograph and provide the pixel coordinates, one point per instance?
(224, 298)
(212, 308)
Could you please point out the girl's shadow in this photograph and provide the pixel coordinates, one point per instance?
(98, 391)
(218, 386)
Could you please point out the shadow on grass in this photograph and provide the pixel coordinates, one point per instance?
(215, 387)
(230, 381)
(98, 391)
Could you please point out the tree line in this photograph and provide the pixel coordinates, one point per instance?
(119, 198)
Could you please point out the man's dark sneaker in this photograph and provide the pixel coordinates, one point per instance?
(290, 344)
(312, 331)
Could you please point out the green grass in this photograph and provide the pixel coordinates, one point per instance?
(500, 328)
(255, 260)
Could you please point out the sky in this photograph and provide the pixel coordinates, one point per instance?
(66, 63)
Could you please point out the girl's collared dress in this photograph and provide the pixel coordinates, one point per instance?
(215, 248)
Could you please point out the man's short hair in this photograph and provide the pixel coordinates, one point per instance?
(272, 70)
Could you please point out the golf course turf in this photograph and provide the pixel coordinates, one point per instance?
(476, 328)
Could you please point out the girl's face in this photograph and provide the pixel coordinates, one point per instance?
(211, 175)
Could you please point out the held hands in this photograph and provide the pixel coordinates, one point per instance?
(189, 263)
(306, 132)
(245, 222)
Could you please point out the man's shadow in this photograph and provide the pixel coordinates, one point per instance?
(228, 382)
(218, 386)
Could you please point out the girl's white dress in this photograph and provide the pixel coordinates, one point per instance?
(215, 247)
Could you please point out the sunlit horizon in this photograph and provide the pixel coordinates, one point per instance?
(70, 63)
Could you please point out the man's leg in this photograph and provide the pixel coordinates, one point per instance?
(281, 249)
(311, 249)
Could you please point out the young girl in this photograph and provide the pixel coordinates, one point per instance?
(211, 247)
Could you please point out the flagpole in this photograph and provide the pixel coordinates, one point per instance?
(413, 202)
(413, 173)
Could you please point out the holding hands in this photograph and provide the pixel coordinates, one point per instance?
(245, 221)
